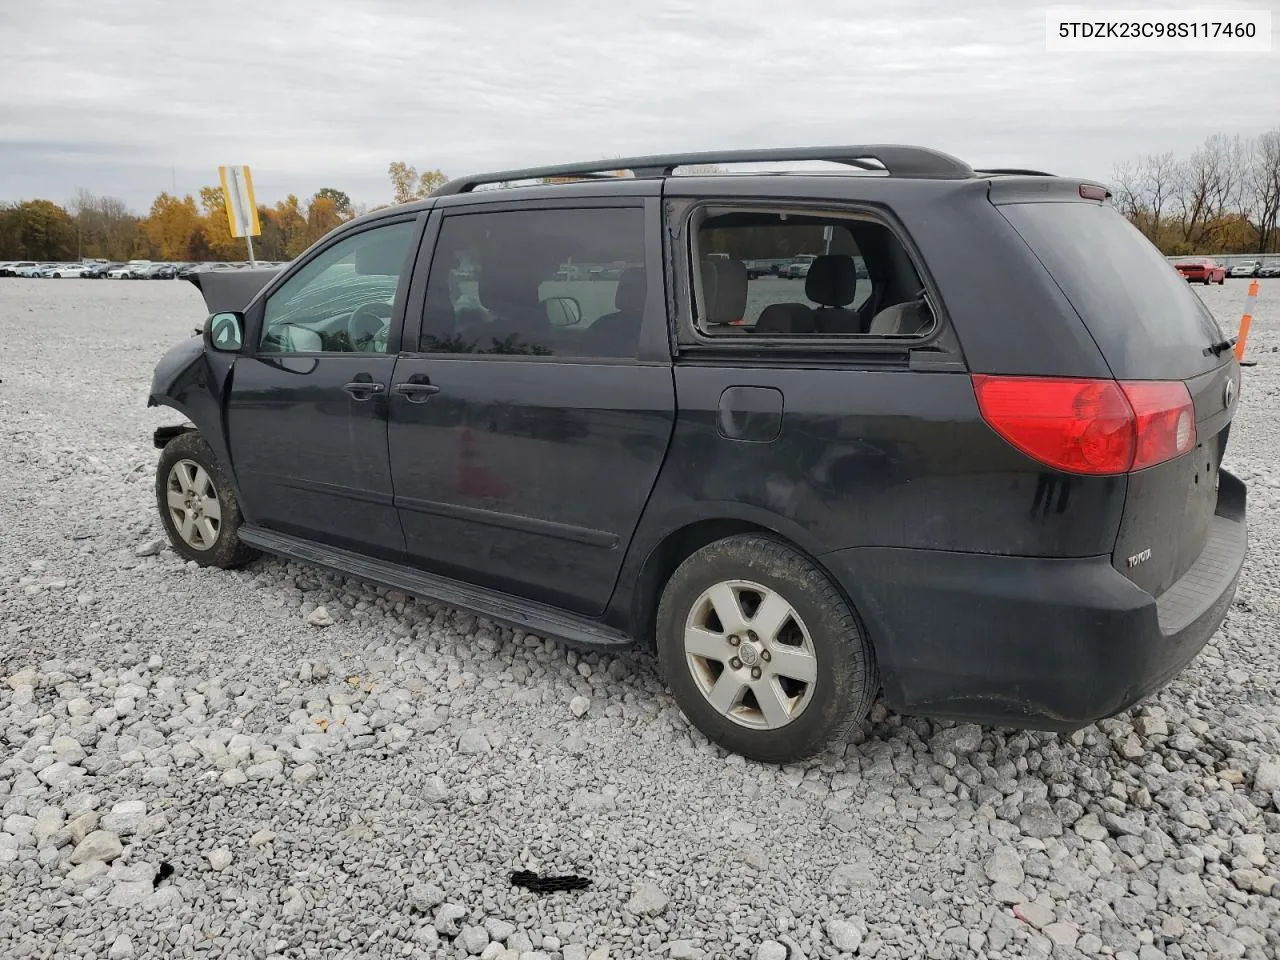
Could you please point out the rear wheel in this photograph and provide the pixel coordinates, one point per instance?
(761, 652)
(198, 508)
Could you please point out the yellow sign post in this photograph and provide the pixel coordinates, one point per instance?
(242, 210)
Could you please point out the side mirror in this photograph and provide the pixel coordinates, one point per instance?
(563, 311)
(224, 332)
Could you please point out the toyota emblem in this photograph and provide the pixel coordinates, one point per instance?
(1229, 392)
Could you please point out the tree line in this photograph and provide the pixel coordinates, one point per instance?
(175, 228)
(1222, 198)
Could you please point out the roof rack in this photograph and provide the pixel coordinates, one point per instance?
(895, 159)
(1012, 172)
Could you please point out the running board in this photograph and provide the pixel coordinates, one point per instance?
(527, 615)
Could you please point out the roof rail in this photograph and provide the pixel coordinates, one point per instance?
(895, 159)
(1012, 172)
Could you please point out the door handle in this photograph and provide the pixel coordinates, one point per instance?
(364, 389)
(416, 391)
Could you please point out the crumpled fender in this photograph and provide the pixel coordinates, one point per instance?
(194, 381)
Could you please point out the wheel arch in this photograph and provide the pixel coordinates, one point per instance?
(680, 542)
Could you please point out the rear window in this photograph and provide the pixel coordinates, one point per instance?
(1144, 316)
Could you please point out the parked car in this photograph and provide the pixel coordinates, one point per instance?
(98, 270)
(798, 514)
(1204, 270)
(69, 270)
(35, 270)
(1245, 268)
(133, 270)
(1270, 268)
(799, 267)
(159, 271)
(767, 267)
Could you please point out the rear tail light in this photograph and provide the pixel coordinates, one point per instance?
(1089, 426)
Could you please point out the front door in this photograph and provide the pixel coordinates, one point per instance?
(527, 432)
(307, 411)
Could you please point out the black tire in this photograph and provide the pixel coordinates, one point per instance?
(226, 550)
(846, 679)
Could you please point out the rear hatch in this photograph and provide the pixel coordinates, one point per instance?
(1150, 326)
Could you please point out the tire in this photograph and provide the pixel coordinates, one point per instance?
(189, 469)
(827, 678)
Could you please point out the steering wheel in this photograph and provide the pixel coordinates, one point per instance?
(368, 326)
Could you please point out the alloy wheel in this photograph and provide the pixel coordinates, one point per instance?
(750, 654)
(193, 505)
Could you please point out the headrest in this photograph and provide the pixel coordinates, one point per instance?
(629, 297)
(510, 277)
(832, 280)
(902, 319)
(726, 296)
(784, 318)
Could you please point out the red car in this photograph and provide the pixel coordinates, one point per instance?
(1204, 270)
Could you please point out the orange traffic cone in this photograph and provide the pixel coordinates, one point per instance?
(1245, 322)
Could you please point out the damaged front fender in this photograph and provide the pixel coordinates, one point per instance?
(194, 381)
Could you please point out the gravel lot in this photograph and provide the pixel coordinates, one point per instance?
(191, 766)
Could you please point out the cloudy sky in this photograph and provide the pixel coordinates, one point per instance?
(131, 98)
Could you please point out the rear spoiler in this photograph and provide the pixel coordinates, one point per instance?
(231, 290)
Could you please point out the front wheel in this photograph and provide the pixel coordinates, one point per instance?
(761, 652)
(198, 507)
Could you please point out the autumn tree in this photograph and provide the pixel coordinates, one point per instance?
(341, 202)
(408, 185)
(170, 226)
(104, 226)
(215, 237)
(322, 216)
(37, 230)
(292, 224)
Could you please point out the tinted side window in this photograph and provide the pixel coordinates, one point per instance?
(551, 283)
(766, 273)
(341, 301)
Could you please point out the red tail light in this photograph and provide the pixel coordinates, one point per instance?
(1089, 426)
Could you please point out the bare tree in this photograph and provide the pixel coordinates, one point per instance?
(1260, 192)
(1160, 180)
(1126, 188)
(1210, 177)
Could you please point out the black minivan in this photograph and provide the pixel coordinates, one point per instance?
(969, 461)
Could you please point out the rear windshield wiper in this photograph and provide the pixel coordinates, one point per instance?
(1221, 347)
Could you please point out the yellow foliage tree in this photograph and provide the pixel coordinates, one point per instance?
(216, 229)
(322, 216)
(170, 226)
(292, 225)
(408, 185)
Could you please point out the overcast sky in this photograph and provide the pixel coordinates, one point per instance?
(131, 98)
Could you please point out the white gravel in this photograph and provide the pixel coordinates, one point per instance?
(192, 765)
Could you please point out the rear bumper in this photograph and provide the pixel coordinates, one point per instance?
(1050, 644)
